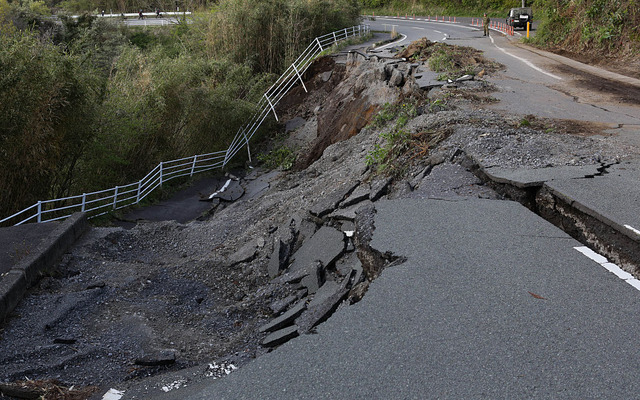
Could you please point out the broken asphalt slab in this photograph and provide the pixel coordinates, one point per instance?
(613, 198)
(326, 245)
(489, 292)
(527, 177)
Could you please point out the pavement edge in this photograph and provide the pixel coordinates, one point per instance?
(14, 284)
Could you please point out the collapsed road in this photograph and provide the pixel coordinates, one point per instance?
(197, 300)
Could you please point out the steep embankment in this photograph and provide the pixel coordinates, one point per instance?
(600, 32)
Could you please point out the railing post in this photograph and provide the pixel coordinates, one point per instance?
(138, 194)
(299, 77)
(271, 105)
(193, 166)
(335, 39)
(84, 202)
(319, 45)
(161, 164)
(115, 198)
(346, 34)
(39, 218)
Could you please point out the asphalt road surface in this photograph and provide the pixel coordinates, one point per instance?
(534, 82)
(493, 302)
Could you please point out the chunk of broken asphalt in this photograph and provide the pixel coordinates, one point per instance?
(285, 319)
(282, 250)
(330, 202)
(278, 306)
(326, 245)
(359, 194)
(313, 269)
(379, 188)
(322, 306)
(281, 336)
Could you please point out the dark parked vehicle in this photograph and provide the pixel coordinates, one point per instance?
(518, 17)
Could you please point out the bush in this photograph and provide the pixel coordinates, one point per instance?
(269, 35)
(46, 115)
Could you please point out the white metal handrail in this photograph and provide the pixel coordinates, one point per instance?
(105, 201)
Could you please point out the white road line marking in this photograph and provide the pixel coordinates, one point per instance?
(417, 27)
(611, 267)
(436, 31)
(393, 43)
(632, 229)
(226, 185)
(592, 254)
(529, 63)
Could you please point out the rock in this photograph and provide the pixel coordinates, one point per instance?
(379, 188)
(161, 357)
(246, 253)
(281, 336)
(396, 78)
(357, 293)
(274, 266)
(326, 76)
(326, 245)
(285, 319)
(466, 77)
(347, 226)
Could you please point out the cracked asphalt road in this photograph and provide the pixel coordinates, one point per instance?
(492, 302)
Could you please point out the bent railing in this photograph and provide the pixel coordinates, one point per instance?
(104, 201)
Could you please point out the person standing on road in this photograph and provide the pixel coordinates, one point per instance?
(485, 24)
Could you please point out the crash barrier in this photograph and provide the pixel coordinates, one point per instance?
(441, 18)
(105, 201)
(497, 26)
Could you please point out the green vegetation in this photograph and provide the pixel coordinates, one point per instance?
(88, 104)
(497, 8)
(282, 157)
(592, 27)
(395, 139)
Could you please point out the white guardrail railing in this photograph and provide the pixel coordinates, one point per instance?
(108, 200)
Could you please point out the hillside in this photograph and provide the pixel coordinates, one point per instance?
(598, 32)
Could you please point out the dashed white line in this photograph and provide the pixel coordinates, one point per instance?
(394, 43)
(529, 63)
(611, 267)
(632, 229)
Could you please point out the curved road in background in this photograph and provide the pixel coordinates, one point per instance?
(534, 82)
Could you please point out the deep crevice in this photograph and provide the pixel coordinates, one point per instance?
(591, 232)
